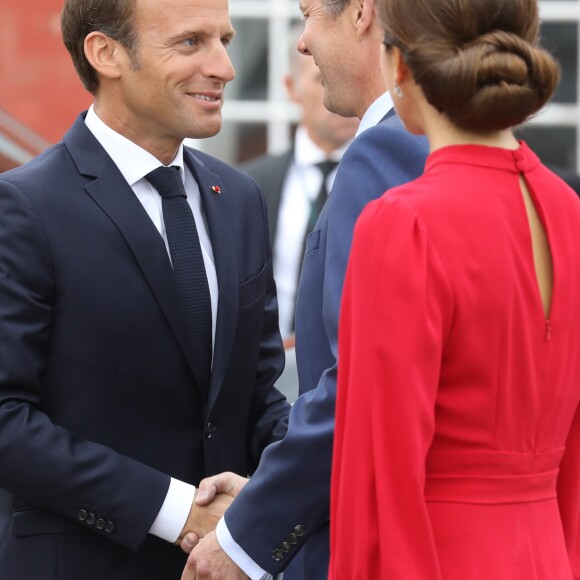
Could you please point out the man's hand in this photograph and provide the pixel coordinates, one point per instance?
(202, 520)
(208, 560)
(227, 482)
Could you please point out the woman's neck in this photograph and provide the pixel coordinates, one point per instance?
(441, 132)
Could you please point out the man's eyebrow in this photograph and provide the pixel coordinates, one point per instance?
(199, 33)
(190, 33)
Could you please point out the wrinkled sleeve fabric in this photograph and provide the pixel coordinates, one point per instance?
(292, 483)
(62, 472)
(269, 411)
(396, 312)
(569, 494)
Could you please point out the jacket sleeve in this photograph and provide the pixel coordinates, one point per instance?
(269, 413)
(288, 498)
(569, 494)
(44, 463)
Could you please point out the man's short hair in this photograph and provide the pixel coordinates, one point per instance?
(111, 17)
(335, 7)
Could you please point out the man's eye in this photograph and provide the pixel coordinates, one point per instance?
(189, 41)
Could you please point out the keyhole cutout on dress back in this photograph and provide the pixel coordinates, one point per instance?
(541, 250)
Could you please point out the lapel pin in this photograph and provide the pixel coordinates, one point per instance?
(216, 189)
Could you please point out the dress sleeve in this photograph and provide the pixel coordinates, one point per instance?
(395, 315)
(569, 494)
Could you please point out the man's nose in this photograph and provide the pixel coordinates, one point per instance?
(301, 46)
(220, 65)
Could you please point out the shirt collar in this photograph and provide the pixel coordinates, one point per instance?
(375, 113)
(133, 161)
(307, 153)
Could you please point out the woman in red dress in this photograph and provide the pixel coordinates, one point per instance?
(457, 450)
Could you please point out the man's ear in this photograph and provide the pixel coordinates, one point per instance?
(104, 54)
(364, 14)
(291, 88)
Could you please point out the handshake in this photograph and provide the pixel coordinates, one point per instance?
(198, 537)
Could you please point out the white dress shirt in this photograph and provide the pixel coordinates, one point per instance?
(135, 163)
(372, 117)
(301, 186)
(375, 113)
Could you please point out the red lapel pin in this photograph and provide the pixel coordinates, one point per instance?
(216, 189)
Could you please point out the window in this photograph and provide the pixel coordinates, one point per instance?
(258, 117)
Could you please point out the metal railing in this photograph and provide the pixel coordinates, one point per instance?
(18, 143)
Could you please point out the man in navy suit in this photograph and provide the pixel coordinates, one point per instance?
(112, 406)
(292, 180)
(279, 519)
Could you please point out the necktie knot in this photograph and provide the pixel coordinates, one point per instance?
(167, 181)
(326, 167)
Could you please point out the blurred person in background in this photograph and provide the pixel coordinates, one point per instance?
(279, 520)
(138, 319)
(457, 448)
(296, 183)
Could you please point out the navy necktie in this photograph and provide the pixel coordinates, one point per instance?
(317, 204)
(188, 265)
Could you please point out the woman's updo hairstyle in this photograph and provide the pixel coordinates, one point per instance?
(477, 61)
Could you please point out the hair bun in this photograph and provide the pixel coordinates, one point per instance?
(495, 81)
(477, 62)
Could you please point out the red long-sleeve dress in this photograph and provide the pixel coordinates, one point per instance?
(457, 446)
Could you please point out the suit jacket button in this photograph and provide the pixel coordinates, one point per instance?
(300, 530)
(278, 555)
(292, 539)
(100, 524)
(285, 547)
(109, 527)
(210, 430)
(82, 515)
(91, 519)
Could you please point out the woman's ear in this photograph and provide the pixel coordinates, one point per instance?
(402, 72)
(104, 54)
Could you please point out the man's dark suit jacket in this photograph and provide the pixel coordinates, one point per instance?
(282, 513)
(270, 172)
(99, 404)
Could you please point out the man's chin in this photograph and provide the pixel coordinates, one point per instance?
(328, 103)
(205, 132)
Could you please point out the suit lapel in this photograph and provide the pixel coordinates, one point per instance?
(390, 113)
(278, 170)
(270, 174)
(215, 207)
(116, 198)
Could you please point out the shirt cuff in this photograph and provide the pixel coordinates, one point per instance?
(174, 512)
(237, 554)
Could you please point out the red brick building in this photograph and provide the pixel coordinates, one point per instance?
(40, 94)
